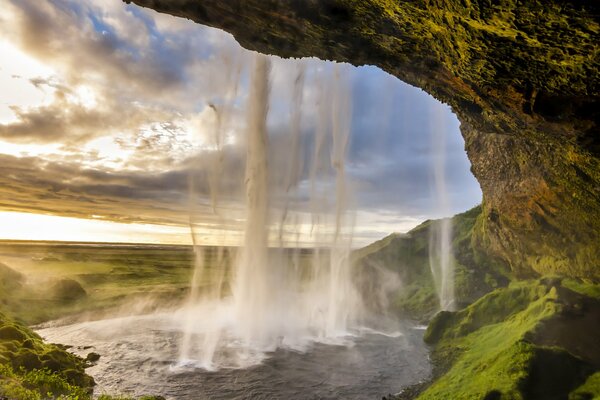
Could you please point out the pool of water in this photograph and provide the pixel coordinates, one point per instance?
(140, 355)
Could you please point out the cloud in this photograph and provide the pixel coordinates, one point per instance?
(137, 103)
(31, 185)
(97, 45)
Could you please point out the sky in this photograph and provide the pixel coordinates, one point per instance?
(108, 121)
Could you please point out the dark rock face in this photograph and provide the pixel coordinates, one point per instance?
(522, 77)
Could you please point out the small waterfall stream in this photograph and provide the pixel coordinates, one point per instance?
(440, 240)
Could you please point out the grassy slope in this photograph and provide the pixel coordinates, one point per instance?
(589, 390)
(519, 342)
(32, 369)
(408, 256)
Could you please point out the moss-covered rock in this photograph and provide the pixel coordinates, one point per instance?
(92, 357)
(590, 390)
(31, 369)
(522, 77)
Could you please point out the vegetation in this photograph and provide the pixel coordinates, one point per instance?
(518, 342)
(522, 340)
(42, 282)
(45, 282)
(589, 390)
(407, 256)
(32, 369)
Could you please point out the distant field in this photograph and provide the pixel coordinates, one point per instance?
(50, 277)
(42, 281)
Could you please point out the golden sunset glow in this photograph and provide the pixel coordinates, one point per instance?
(27, 226)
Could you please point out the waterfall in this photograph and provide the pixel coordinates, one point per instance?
(251, 287)
(441, 260)
(280, 295)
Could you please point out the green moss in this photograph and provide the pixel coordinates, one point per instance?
(38, 384)
(582, 287)
(12, 332)
(496, 348)
(34, 369)
(31, 369)
(418, 300)
(490, 309)
(590, 390)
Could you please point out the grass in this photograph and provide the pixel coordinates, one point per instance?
(37, 385)
(590, 390)
(497, 348)
(407, 256)
(586, 288)
(45, 279)
(33, 369)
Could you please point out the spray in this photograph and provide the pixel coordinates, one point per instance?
(282, 297)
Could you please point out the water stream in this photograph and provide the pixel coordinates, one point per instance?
(277, 297)
(440, 240)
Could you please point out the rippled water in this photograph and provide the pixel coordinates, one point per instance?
(140, 356)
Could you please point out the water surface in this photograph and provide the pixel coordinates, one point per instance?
(140, 356)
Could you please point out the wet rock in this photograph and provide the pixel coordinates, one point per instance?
(92, 357)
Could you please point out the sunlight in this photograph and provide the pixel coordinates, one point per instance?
(16, 70)
(29, 149)
(26, 226)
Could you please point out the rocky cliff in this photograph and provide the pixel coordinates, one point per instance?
(522, 78)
